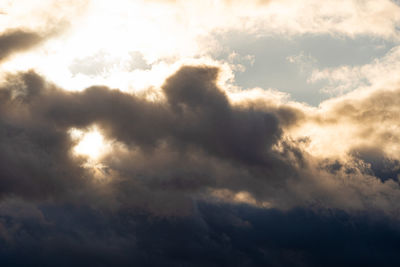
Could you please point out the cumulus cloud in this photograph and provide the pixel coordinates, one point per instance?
(190, 155)
(194, 143)
(203, 173)
(196, 123)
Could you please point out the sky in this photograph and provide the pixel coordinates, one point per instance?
(199, 133)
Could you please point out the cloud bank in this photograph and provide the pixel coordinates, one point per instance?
(202, 174)
(195, 142)
(189, 156)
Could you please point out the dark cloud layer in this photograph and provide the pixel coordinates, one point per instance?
(169, 189)
(217, 235)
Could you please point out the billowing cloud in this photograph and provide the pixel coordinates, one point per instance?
(194, 143)
(188, 155)
(193, 170)
(196, 122)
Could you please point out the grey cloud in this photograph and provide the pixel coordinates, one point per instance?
(175, 151)
(161, 181)
(17, 40)
(382, 166)
(197, 127)
(216, 235)
(196, 113)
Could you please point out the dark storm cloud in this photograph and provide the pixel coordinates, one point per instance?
(196, 113)
(194, 141)
(175, 164)
(35, 159)
(216, 235)
(17, 40)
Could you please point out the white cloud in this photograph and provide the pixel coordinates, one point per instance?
(380, 73)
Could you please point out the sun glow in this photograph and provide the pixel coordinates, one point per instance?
(91, 143)
(129, 45)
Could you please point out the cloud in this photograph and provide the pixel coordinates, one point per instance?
(192, 144)
(16, 40)
(35, 161)
(379, 73)
(364, 118)
(216, 235)
(196, 123)
(349, 18)
(35, 15)
(119, 34)
(202, 173)
(197, 160)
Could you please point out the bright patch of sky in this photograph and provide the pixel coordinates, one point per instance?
(287, 63)
(305, 48)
